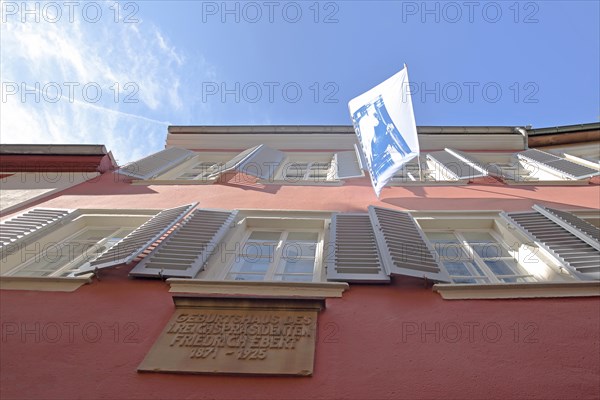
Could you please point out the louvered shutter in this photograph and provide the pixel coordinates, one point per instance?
(157, 163)
(260, 161)
(563, 167)
(353, 255)
(457, 164)
(184, 253)
(28, 223)
(139, 240)
(477, 167)
(574, 253)
(404, 247)
(348, 164)
(577, 226)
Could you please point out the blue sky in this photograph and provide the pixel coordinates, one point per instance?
(120, 73)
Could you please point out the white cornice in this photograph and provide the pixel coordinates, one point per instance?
(327, 141)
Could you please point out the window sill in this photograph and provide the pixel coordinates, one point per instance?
(261, 289)
(428, 183)
(565, 182)
(148, 182)
(43, 283)
(300, 183)
(518, 290)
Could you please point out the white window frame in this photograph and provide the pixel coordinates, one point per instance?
(531, 259)
(280, 177)
(526, 173)
(318, 270)
(489, 276)
(431, 178)
(117, 231)
(209, 168)
(306, 178)
(13, 263)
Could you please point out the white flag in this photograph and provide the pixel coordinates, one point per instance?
(384, 122)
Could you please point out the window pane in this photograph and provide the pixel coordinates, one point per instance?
(450, 251)
(463, 280)
(93, 234)
(260, 245)
(296, 250)
(447, 246)
(490, 250)
(485, 245)
(297, 266)
(457, 268)
(296, 170)
(501, 267)
(245, 265)
(49, 261)
(303, 237)
(300, 245)
(253, 251)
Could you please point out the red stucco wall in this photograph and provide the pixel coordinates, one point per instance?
(377, 342)
(372, 343)
(109, 191)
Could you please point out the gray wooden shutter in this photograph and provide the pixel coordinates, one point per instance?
(184, 252)
(28, 223)
(352, 254)
(348, 164)
(157, 163)
(574, 253)
(577, 226)
(563, 167)
(477, 167)
(457, 164)
(404, 247)
(139, 240)
(260, 161)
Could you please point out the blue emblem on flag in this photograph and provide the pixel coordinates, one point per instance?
(384, 123)
(375, 129)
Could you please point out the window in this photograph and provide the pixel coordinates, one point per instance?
(310, 168)
(308, 171)
(66, 257)
(71, 243)
(412, 173)
(200, 171)
(278, 255)
(440, 167)
(476, 257)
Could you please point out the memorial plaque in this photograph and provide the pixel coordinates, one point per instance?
(237, 336)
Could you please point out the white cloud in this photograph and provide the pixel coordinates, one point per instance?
(127, 61)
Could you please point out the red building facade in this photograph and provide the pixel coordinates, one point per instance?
(474, 275)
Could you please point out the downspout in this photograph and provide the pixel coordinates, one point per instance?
(523, 132)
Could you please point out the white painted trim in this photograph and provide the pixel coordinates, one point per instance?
(43, 283)
(566, 226)
(149, 182)
(300, 182)
(295, 139)
(456, 291)
(287, 289)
